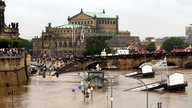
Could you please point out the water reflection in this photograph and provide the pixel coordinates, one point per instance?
(56, 93)
(10, 96)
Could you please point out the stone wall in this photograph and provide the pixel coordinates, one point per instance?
(14, 70)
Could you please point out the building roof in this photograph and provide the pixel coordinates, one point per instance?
(99, 14)
(72, 26)
(118, 41)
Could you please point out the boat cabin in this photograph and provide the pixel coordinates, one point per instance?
(175, 81)
(96, 79)
(175, 78)
(147, 71)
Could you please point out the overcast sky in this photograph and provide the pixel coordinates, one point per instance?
(143, 18)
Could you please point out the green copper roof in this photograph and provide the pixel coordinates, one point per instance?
(99, 15)
(72, 26)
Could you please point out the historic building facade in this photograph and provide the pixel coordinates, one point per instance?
(69, 38)
(7, 32)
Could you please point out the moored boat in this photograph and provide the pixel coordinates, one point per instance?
(147, 71)
(176, 82)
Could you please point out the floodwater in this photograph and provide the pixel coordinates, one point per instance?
(57, 93)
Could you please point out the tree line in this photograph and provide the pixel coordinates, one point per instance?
(95, 45)
(169, 44)
(19, 43)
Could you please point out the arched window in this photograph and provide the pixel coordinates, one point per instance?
(65, 44)
(60, 44)
(70, 44)
(55, 44)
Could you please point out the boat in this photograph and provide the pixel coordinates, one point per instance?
(175, 82)
(172, 82)
(133, 74)
(96, 79)
(148, 87)
(158, 65)
(146, 72)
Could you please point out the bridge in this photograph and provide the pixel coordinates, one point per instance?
(131, 61)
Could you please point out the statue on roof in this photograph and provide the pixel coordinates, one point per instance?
(103, 10)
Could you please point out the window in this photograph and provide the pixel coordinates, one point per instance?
(55, 44)
(60, 44)
(70, 44)
(65, 44)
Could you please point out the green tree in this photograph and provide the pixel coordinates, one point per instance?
(4, 43)
(19, 43)
(26, 44)
(95, 45)
(173, 42)
(151, 47)
(16, 43)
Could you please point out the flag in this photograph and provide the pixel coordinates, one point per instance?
(74, 38)
(72, 35)
(82, 35)
(98, 68)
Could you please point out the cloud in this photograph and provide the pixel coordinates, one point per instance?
(140, 17)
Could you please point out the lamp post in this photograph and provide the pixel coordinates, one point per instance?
(146, 89)
(91, 93)
(111, 81)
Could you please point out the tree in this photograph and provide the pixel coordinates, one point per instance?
(4, 43)
(95, 45)
(26, 44)
(19, 43)
(151, 47)
(172, 43)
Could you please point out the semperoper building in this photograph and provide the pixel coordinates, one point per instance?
(69, 38)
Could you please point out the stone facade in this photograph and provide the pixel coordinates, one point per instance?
(7, 32)
(14, 70)
(68, 39)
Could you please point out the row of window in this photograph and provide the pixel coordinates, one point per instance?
(106, 22)
(60, 44)
(92, 22)
(82, 22)
(70, 31)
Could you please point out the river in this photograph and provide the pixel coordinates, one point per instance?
(53, 92)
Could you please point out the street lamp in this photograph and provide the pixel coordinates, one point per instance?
(146, 89)
(111, 81)
(91, 93)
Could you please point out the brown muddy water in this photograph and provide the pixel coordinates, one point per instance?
(57, 93)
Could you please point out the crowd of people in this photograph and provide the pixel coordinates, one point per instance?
(11, 51)
(51, 64)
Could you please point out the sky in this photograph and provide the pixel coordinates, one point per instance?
(143, 18)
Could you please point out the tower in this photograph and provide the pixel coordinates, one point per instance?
(2, 9)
